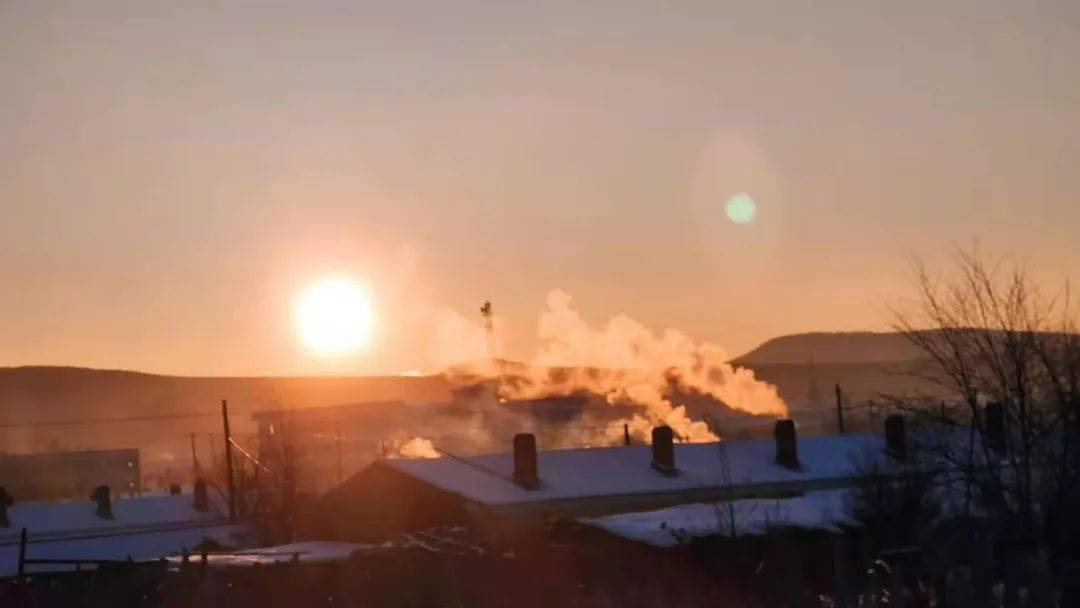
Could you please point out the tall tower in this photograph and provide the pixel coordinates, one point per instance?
(489, 326)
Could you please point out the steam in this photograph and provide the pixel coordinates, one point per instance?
(626, 362)
(414, 448)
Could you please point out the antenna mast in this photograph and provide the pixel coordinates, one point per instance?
(489, 327)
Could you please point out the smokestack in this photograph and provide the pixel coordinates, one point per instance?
(5, 501)
(104, 502)
(995, 435)
(663, 451)
(201, 503)
(896, 437)
(787, 454)
(525, 465)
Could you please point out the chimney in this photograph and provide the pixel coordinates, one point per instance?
(525, 469)
(663, 451)
(201, 503)
(995, 435)
(5, 501)
(104, 502)
(896, 437)
(786, 452)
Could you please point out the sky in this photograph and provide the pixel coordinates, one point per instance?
(174, 174)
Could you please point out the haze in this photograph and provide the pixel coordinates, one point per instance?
(171, 178)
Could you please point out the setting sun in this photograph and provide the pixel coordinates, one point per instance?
(334, 317)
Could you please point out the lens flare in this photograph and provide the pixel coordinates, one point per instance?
(741, 209)
(334, 317)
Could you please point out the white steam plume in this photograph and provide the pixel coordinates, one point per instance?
(630, 365)
(417, 447)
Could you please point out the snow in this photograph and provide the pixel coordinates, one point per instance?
(576, 473)
(820, 510)
(138, 546)
(306, 552)
(60, 518)
(142, 528)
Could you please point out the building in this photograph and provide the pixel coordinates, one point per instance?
(499, 492)
(328, 444)
(138, 528)
(70, 475)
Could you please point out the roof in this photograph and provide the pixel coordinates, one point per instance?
(826, 510)
(626, 472)
(59, 518)
(142, 528)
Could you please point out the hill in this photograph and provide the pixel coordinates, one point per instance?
(834, 348)
(806, 367)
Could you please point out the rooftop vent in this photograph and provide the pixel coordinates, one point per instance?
(104, 502)
(787, 454)
(663, 451)
(525, 466)
(896, 437)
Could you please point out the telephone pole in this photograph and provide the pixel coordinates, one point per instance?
(194, 461)
(228, 460)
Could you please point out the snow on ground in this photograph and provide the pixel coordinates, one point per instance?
(614, 471)
(821, 510)
(309, 551)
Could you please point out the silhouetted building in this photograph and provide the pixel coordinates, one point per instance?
(393, 496)
(72, 475)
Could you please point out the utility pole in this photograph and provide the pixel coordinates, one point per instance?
(228, 460)
(839, 409)
(194, 461)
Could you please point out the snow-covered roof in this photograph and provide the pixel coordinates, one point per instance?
(819, 510)
(623, 471)
(53, 518)
(145, 544)
(142, 528)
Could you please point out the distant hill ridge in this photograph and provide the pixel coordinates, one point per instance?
(834, 348)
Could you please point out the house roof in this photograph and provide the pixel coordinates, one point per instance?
(141, 528)
(625, 471)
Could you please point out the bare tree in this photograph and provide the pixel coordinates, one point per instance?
(991, 336)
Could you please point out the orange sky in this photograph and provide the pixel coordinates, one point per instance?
(171, 179)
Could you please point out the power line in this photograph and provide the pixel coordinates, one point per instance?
(112, 420)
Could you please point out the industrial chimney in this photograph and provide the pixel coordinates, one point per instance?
(525, 465)
(786, 452)
(104, 502)
(663, 451)
(896, 437)
(995, 435)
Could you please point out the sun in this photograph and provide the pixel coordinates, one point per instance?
(334, 317)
